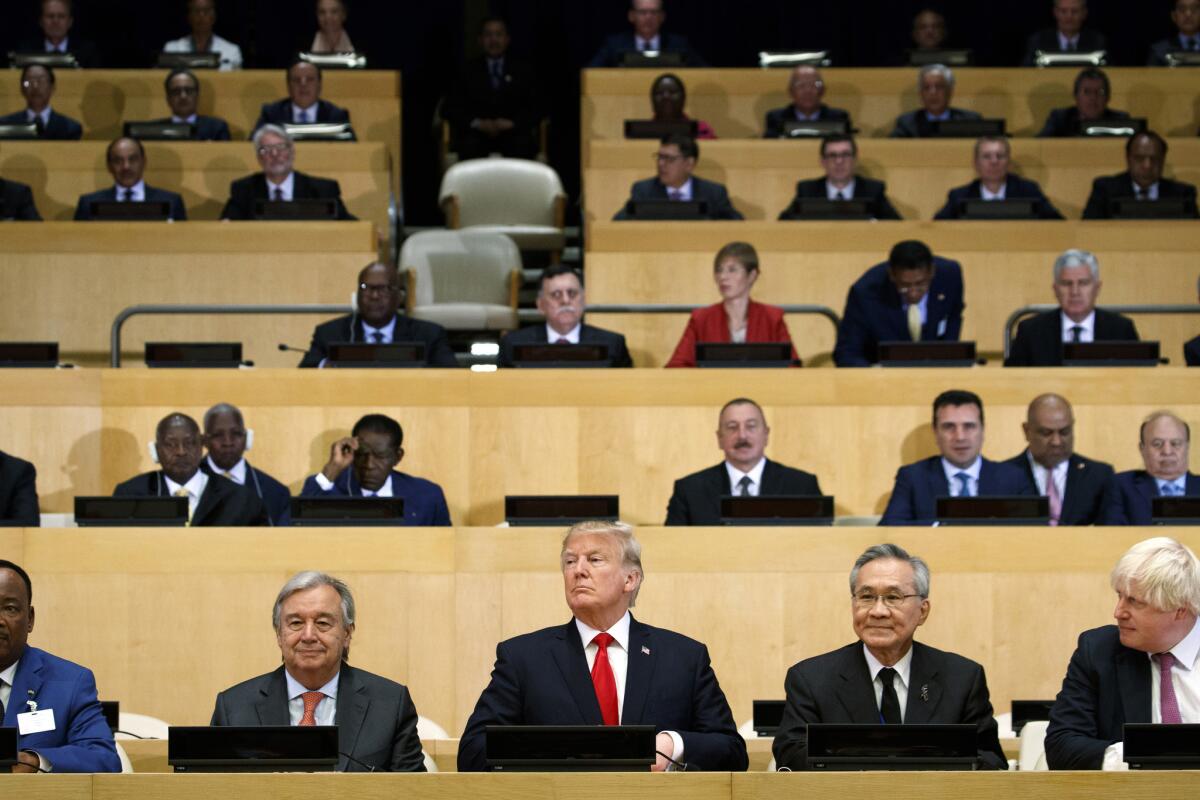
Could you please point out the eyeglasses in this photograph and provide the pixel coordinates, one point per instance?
(869, 599)
(563, 294)
(182, 91)
(370, 288)
(666, 158)
(844, 155)
(273, 149)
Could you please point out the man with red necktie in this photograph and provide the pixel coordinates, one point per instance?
(606, 668)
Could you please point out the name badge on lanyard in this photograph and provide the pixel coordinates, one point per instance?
(32, 722)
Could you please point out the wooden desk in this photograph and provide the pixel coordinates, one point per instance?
(954, 785)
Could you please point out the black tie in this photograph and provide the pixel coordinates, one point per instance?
(277, 196)
(125, 195)
(40, 126)
(1142, 194)
(377, 337)
(1076, 333)
(744, 486)
(889, 704)
(497, 74)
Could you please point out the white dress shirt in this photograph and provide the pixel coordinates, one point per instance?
(572, 336)
(383, 491)
(190, 120)
(285, 188)
(648, 44)
(236, 473)
(1150, 192)
(326, 710)
(137, 192)
(230, 53)
(1059, 472)
(684, 192)
(304, 115)
(986, 194)
(1179, 483)
(388, 332)
(1088, 334)
(6, 683)
(845, 193)
(972, 476)
(903, 669)
(62, 47)
(195, 488)
(755, 474)
(33, 116)
(1067, 42)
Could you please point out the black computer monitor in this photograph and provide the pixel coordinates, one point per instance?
(1162, 208)
(653, 129)
(777, 510)
(968, 128)
(112, 714)
(8, 747)
(1113, 127)
(1029, 711)
(744, 354)
(115, 211)
(569, 748)
(188, 60)
(297, 209)
(1110, 354)
(194, 354)
(951, 58)
(926, 354)
(1149, 746)
(159, 131)
(891, 747)
(267, 748)
(28, 354)
(18, 130)
(652, 59)
(1024, 509)
(814, 128)
(822, 208)
(561, 355)
(560, 509)
(1175, 510)
(131, 512)
(348, 511)
(767, 716)
(1008, 208)
(663, 210)
(394, 355)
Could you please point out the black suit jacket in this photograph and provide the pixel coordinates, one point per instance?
(616, 45)
(1107, 684)
(223, 503)
(915, 125)
(1039, 339)
(472, 96)
(375, 717)
(1063, 122)
(18, 202)
(60, 127)
(1158, 51)
(542, 678)
(1191, 352)
(710, 192)
(536, 334)
(1014, 188)
(773, 127)
(204, 129)
(1087, 482)
(837, 687)
(864, 189)
(276, 498)
(1130, 497)
(244, 191)
(83, 209)
(280, 113)
(438, 352)
(1046, 40)
(697, 497)
(86, 54)
(1112, 187)
(18, 491)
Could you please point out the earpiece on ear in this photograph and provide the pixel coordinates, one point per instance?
(249, 438)
(153, 448)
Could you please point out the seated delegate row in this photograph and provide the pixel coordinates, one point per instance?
(604, 667)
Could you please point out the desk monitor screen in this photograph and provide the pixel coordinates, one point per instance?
(667, 209)
(8, 747)
(777, 510)
(653, 129)
(745, 354)
(112, 714)
(115, 211)
(1029, 711)
(569, 748)
(267, 748)
(21, 60)
(652, 59)
(1163, 208)
(1175, 510)
(188, 61)
(364, 354)
(951, 58)
(1028, 509)
(348, 511)
(926, 354)
(560, 509)
(561, 355)
(1009, 208)
(1149, 746)
(159, 131)
(194, 354)
(1113, 127)
(131, 512)
(306, 209)
(1110, 354)
(968, 128)
(19, 130)
(814, 128)
(28, 354)
(834, 746)
(857, 208)
(767, 716)
(320, 131)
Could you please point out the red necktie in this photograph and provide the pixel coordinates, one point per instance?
(603, 680)
(311, 699)
(1167, 703)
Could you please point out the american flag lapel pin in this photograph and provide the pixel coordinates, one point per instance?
(645, 650)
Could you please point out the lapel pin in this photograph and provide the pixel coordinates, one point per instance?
(645, 650)
(925, 692)
(941, 296)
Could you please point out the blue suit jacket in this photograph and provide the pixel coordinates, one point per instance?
(542, 678)
(1130, 494)
(710, 192)
(1014, 188)
(424, 502)
(918, 485)
(875, 314)
(615, 46)
(83, 209)
(81, 740)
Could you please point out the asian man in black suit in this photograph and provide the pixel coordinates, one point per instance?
(1068, 34)
(1040, 339)
(742, 435)
(935, 85)
(1092, 91)
(1145, 157)
(676, 160)
(885, 676)
(646, 17)
(807, 88)
(994, 182)
(278, 181)
(37, 87)
(1075, 485)
(126, 159)
(183, 96)
(303, 105)
(562, 300)
(839, 159)
(16, 202)
(18, 491)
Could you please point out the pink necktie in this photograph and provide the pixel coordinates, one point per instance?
(604, 681)
(311, 700)
(1054, 496)
(1167, 704)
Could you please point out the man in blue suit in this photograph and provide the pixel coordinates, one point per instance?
(606, 668)
(71, 734)
(37, 87)
(361, 465)
(995, 182)
(913, 296)
(183, 96)
(303, 105)
(227, 440)
(1163, 442)
(676, 160)
(646, 17)
(960, 470)
(126, 159)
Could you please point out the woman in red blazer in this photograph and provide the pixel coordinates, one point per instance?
(736, 318)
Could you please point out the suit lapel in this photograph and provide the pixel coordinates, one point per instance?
(301, 188)
(639, 674)
(214, 494)
(1147, 487)
(924, 688)
(567, 651)
(938, 485)
(1133, 678)
(352, 703)
(272, 708)
(27, 683)
(1192, 485)
(1076, 467)
(772, 476)
(855, 691)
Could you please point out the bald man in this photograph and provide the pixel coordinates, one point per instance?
(1075, 485)
(1163, 443)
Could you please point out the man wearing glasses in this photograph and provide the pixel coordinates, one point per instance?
(375, 321)
(886, 677)
(183, 96)
(675, 160)
(839, 160)
(278, 182)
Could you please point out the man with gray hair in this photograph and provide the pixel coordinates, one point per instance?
(1040, 339)
(227, 439)
(313, 619)
(935, 84)
(1163, 442)
(886, 677)
(605, 668)
(1146, 668)
(278, 181)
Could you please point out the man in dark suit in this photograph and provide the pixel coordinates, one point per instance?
(677, 157)
(1075, 485)
(807, 89)
(363, 465)
(1067, 35)
(126, 159)
(742, 435)
(16, 202)
(1040, 339)
(1163, 442)
(37, 87)
(1145, 157)
(562, 301)
(839, 159)
(1111, 677)
(376, 320)
(18, 491)
(56, 21)
(375, 717)
(213, 501)
(183, 96)
(303, 105)
(915, 684)
(959, 471)
(646, 17)
(227, 439)
(494, 107)
(935, 84)
(995, 182)
(1191, 348)
(1186, 16)
(278, 181)
(77, 739)
(914, 295)
(1092, 91)
(605, 667)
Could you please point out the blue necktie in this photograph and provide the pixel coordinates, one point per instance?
(376, 336)
(964, 486)
(1170, 490)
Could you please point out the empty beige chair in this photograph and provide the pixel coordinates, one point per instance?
(462, 280)
(1032, 756)
(521, 199)
(133, 726)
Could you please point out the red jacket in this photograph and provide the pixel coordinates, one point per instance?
(764, 323)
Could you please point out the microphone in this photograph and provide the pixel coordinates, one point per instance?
(367, 767)
(287, 348)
